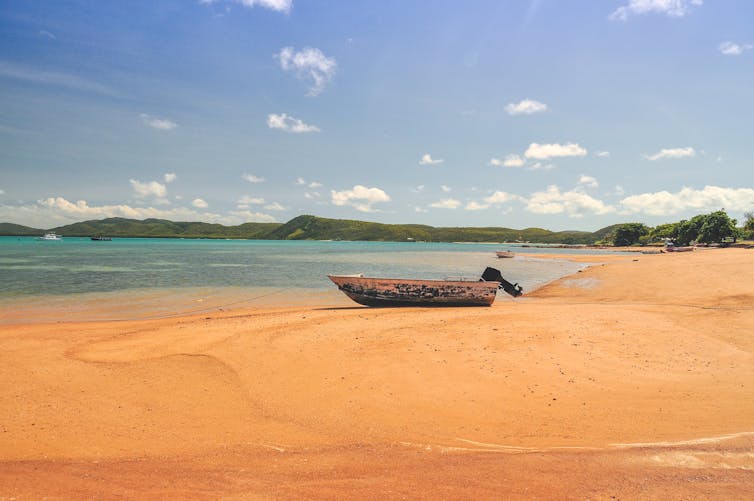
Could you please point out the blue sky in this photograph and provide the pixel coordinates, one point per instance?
(561, 115)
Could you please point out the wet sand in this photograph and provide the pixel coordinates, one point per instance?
(631, 379)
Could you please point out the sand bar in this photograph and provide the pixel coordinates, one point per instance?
(633, 378)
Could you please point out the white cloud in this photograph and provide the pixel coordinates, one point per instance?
(428, 160)
(418, 189)
(501, 197)
(574, 203)
(602, 154)
(545, 151)
(672, 153)
(446, 203)
(199, 203)
(47, 34)
(588, 181)
(73, 82)
(149, 189)
(476, 206)
(2, 192)
(420, 209)
(289, 124)
(663, 203)
(247, 200)
(252, 178)
(312, 194)
(671, 8)
(308, 63)
(170, 177)
(300, 181)
(446, 189)
(360, 197)
(315, 184)
(157, 123)
(541, 166)
(252, 217)
(274, 206)
(276, 5)
(525, 107)
(733, 49)
(509, 161)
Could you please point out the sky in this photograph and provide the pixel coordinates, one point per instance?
(540, 113)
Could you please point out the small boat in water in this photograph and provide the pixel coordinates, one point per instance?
(102, 239)
(411, 292)
(50, 235)
(505, 253)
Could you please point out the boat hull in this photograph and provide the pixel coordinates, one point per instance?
(504, 254)
(406, 292)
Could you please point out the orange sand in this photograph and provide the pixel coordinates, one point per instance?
(634, 378)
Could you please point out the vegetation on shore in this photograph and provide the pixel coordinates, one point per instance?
(704, 228)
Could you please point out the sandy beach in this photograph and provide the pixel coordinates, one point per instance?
(631, 379)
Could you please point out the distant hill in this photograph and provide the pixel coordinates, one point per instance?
(17, 230)
(308, 227)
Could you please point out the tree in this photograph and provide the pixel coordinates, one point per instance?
(688, 231)
(663, 231)
(717, 226)
(629, 234)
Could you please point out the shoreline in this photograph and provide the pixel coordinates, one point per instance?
(629, 372)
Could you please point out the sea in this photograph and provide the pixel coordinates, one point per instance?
(139, 278)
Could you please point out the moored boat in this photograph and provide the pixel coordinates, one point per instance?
(50, 235)
(673, 248)
(371, 291)
(101, 239)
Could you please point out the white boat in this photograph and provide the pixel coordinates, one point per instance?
(50, 235)
(505, 253)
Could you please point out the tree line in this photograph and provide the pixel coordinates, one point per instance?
(715, 227)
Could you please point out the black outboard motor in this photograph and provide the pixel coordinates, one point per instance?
(493, 275)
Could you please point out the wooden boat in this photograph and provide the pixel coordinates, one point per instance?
(411, 292)
(673, 248)
(505, 253)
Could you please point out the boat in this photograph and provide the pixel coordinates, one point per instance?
(505, 253)
(412, 292)
(673, 248)
(101, 239)
(50, 235)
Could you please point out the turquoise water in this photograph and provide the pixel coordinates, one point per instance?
(178, 273)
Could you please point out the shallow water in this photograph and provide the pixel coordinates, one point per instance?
(132, 277)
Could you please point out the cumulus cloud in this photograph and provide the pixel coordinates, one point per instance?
(733, 49)
(446, 203)
(525, 107)
(148, 189)
(602, 154)
(315, 184)
(574, 203)
(541, 166)
(158, 123)
(545, 151)
(360, 197)
(476, 206)
(671, 8)
(300, 181)
(170, 177)
(509, 161)
(663, 203)
(446, 189)
(276, 5)
(247, 200)
(308, 64)
(289, 124)
(672, 153)
(199, 203)
(274, 206)
(427, 159)
(588, 181)
(501, 197)
(252, 178)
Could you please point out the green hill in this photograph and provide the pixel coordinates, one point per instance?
(309, 227)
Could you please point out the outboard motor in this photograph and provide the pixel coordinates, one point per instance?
(494, 275)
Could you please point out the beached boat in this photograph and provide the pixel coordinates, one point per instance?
(50, 235)
(673, 248)
(101, 239)
(411, 292)
(505, 253)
